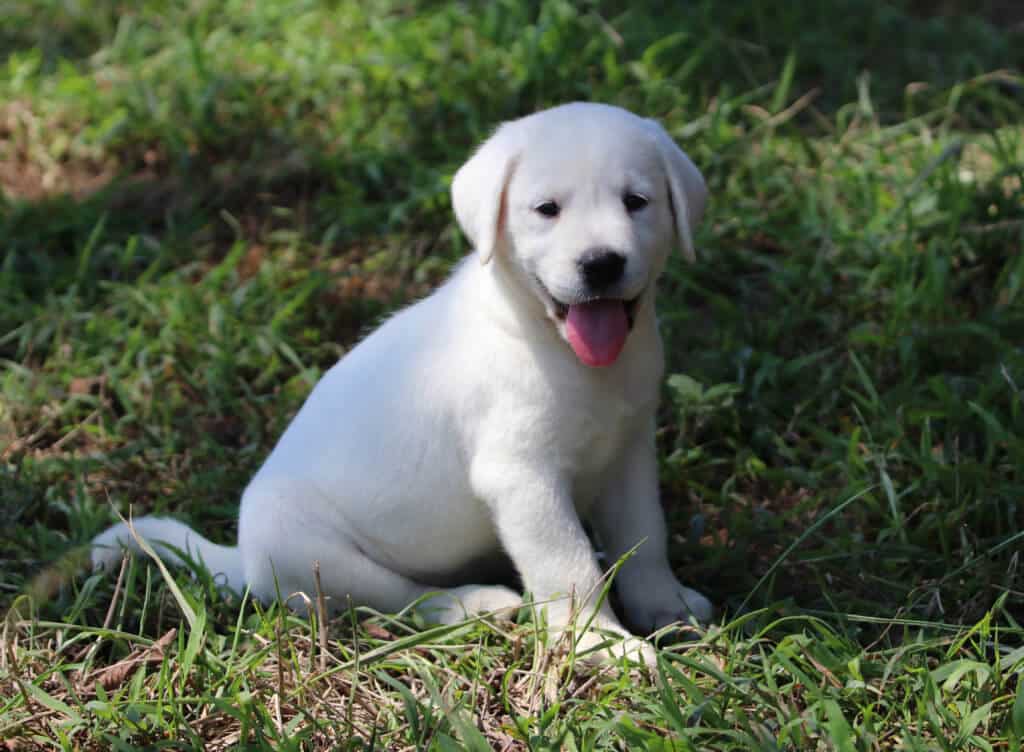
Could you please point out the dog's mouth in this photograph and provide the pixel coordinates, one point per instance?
(595, 327)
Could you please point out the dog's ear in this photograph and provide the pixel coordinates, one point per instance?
(478, 190)
(686, 187)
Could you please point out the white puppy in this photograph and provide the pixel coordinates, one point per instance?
(484, 423)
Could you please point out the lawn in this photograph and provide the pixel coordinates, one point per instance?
(204, 204)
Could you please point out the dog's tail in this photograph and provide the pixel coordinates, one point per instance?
(167, 537)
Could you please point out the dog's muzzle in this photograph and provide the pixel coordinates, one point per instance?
(595, 326)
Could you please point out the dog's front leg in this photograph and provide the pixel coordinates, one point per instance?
(540, 530)
(629, 513)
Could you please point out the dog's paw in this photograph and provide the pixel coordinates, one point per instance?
(596, 648)
(598, 642)
(688, 604)
(674, 605)
(460, 603)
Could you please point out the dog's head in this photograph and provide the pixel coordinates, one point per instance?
(583, 201)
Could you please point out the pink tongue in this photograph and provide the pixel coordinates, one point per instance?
(597, 331)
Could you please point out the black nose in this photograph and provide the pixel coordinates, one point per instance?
(601, 267)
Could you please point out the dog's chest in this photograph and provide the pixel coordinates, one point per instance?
(590, 434)
(590, 443)
(590, 425)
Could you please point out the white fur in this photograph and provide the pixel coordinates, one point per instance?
(465, 429)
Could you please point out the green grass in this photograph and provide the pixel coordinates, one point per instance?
(203, 205)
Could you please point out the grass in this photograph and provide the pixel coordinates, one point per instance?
(204, 204)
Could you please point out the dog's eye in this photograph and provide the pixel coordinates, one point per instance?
(634, 202)
(547, 208)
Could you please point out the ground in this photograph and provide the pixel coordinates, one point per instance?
(203, 205)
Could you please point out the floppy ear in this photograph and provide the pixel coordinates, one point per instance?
(478, 190)
(686, 187)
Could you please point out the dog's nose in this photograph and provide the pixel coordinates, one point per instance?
(601, 267)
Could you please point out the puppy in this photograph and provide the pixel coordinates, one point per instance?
(479, 427)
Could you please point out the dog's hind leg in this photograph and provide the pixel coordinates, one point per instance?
(348, 576)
